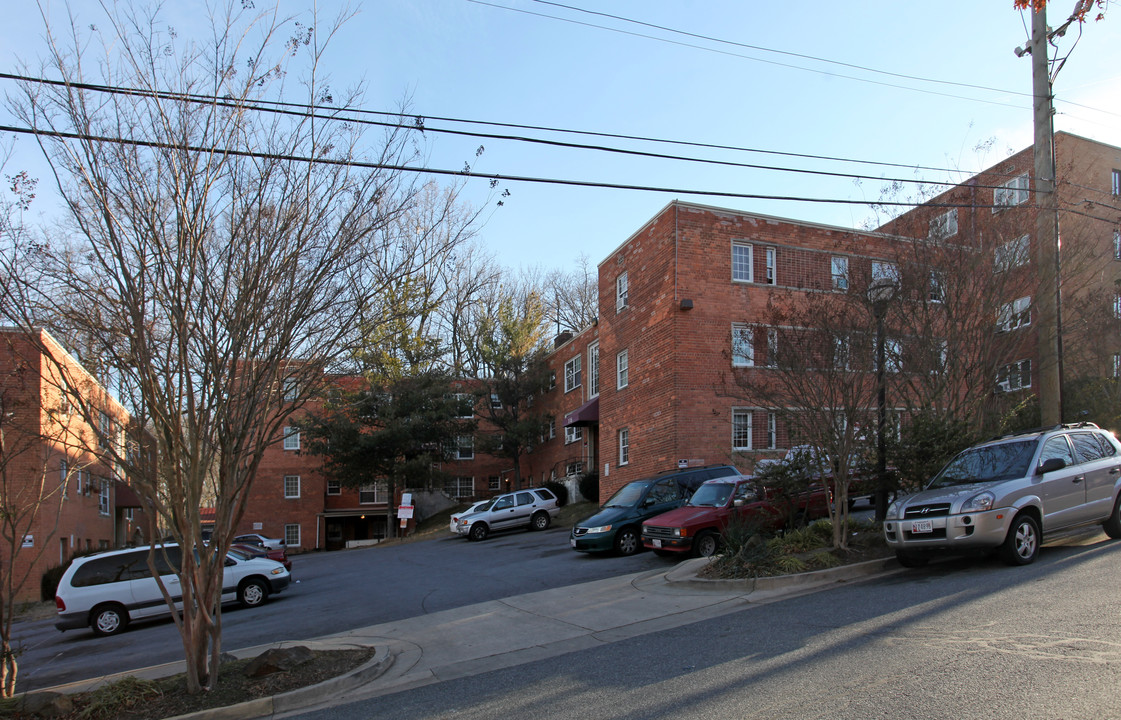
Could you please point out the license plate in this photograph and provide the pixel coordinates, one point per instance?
(922, 526)
(657, 543)
(573, 541)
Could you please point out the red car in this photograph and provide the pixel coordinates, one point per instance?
(279, 555)
(696, 527)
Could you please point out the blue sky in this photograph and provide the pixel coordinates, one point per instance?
(533, 63)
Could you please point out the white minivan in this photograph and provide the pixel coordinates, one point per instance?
(107, 590)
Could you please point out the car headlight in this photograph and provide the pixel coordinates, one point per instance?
(600, 529)
(277, 571)
(893, 509)
(979, 502)
(677, 532)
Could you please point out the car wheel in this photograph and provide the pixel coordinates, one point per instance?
(540, 521)
(1021, 547)
(252, 593)
(108, 619)
(627, 542)
(908, 560)
(1112, 526)
(479, 531)
(706, 545)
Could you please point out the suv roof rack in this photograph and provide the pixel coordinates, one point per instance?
(1049, 428)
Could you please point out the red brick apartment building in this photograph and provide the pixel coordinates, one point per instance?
(651, 385)
(996, 211)
(52, 456)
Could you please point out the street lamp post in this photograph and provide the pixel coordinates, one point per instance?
(880, 293)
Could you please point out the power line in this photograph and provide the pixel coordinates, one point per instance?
(418, 123)
(493, 177)
(746, 57)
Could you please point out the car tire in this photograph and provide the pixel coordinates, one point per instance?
(909, 560)
(252, 593)
(1112, 526)
(627, 541)
(479, 531)
(108, 619)
(1021, 547)
(539, 521)
(706, 544)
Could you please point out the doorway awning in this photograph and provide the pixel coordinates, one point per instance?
(586, 414)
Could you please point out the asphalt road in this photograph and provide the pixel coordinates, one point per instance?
(334, 592)
(963, 638)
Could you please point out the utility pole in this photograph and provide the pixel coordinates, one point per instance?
(1046, 228)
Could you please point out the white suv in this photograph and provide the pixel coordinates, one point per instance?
(534, 509)
(107, 590)
(1007, 494)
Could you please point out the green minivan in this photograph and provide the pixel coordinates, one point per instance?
(618, 524)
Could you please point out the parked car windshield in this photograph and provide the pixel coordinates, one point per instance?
(986, 464)
(627, 496)
(712, 495)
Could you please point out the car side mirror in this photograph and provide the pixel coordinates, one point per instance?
(1051, 465)
(737, 502)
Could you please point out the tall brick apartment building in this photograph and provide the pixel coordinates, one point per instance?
(651, 385)
(52, 457)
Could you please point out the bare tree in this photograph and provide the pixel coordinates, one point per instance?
(573, 297)
(222, 258)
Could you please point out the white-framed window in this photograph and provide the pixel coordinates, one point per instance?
(772, 347)
(573, 468)
(465, 447)
(459, 486)
(1116, 182)
(593, 370)
(893, 355)
(63, 470)
(622, 370)
(741, 429)
(839, 270)
(495, 402)
(624, 446)
(945, 225)
(291, 486)
(103, 497)
(842, 353)
(1117, 306)
(334, 487)
(1013, 192)
(105, 424)
(942, 356)
(292, 535)
(291, 389)
(743, 345)
(769, 269)
(1117, 244)
(372, 493)
(772, 431)
(572, 378)
(466, 404)
(1014, 376)
(1015, 314)
(742, 263)
(572, 433)
(937, 288)
(622, 291)
(552, 428)
(552, 379)
(1117, 365)
(494, 483)
(291, 438)
(885, 271)
(1012, 254)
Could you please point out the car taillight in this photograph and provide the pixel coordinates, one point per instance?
(59, 604)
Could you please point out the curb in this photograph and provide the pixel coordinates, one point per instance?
(303, 697)
(686, 574)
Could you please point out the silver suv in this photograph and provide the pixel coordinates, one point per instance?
(534, 509)
(1008, 493)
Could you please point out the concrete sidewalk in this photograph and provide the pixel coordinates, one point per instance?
(503, 633)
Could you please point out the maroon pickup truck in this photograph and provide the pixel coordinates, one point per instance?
(696, 526)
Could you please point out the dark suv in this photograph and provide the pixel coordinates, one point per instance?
(1008, 493)
(618, 524)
